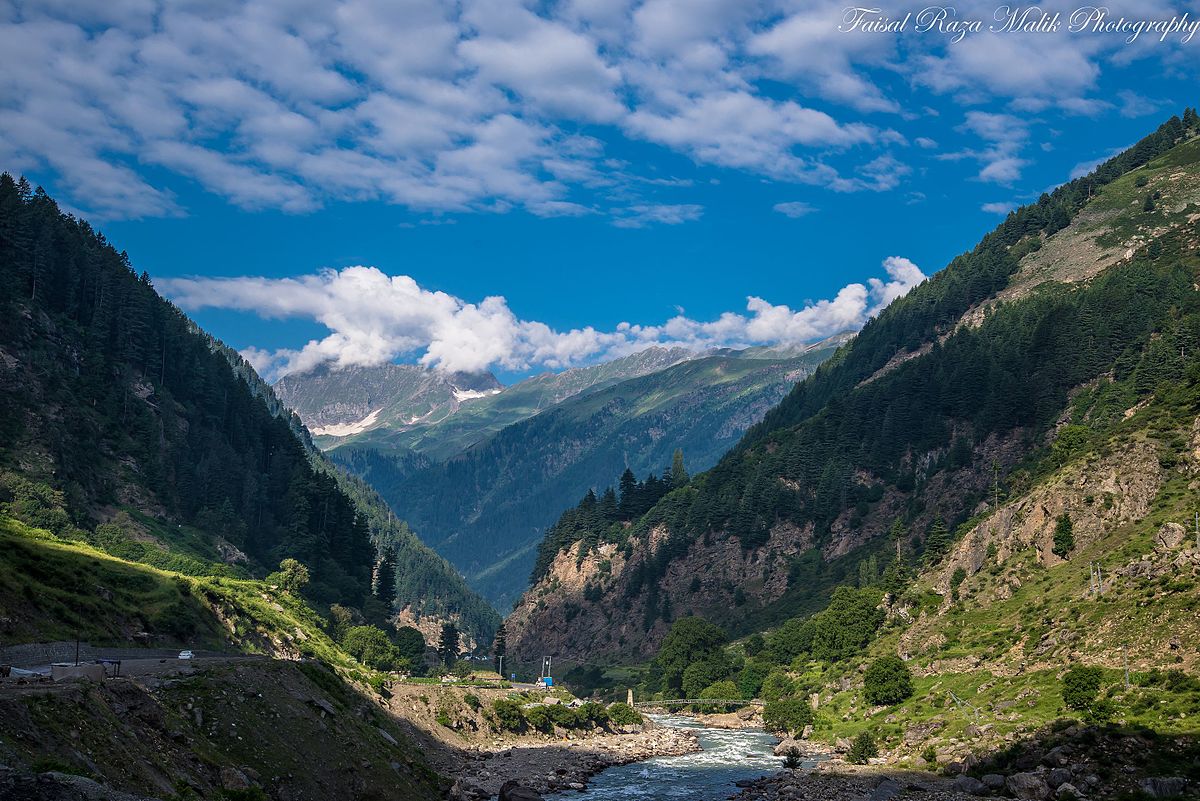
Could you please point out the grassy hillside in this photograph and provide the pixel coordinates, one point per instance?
(57, 589)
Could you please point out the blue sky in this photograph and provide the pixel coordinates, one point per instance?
(351, 182)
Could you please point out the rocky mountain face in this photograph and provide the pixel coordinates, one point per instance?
(336, 404)
(404, 408)
(486, 509)
(1045, 382)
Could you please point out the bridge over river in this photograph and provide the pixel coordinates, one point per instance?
(729, 702)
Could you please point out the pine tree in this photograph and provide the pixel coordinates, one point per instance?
(1064, 536)
(628, 488)
(448, 645)
(937, 539)
(679, 474)
(1190, 118)
(385, 578)
(499, 646)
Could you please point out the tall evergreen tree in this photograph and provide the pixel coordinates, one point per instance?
(679, 474)
(448, 645)
(499, 647)
(385, 577)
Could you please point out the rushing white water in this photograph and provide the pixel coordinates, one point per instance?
(728, 756)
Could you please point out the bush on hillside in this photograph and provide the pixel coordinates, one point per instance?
(507, 715)
(622, 714)
(777, 685)
(887, 681)
(370, 646)
(1080, 686)
(863, 749)
(789, 715)
(538, 717)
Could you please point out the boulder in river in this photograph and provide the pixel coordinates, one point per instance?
(515, 791)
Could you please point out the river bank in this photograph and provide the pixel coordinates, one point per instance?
(837, 783)
(564, 764)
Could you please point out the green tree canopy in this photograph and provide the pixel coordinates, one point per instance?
(410, 643)
(370, 646)
(292, 576)
(691, 639)
(699, 675)
(887, 681)
(448, 645)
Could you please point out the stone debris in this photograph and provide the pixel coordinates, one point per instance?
(567, 765)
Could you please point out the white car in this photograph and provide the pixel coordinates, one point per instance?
(185, 654)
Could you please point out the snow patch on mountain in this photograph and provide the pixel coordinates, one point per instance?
(347, 429)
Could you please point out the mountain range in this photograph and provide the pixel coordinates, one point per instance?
(482, 481)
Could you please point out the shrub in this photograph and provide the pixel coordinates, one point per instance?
(293, 576)
(726, 690)
(863, 749)
(791, 760)
(592, 713)
(473, 701)
(1064, 536)
(370, 646)
(538, 717)
(887, 681)
(508, 715)
(1080, 686)
(563, 715)
(622, 714)
(790, 715)
(777, 685)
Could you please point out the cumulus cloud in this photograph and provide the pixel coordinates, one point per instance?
(472, 106)
(374, 318)
(477, 105)
(997, 208)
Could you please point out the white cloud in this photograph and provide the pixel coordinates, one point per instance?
(374, 318)
(794, 209)
(643, 215)
(997, 208)
(477, 105)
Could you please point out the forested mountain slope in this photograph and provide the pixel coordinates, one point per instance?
(485, 510)
(124, 425)
(978, 386)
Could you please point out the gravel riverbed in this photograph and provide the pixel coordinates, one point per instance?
(565, 764)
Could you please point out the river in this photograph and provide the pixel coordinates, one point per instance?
(727, 756)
